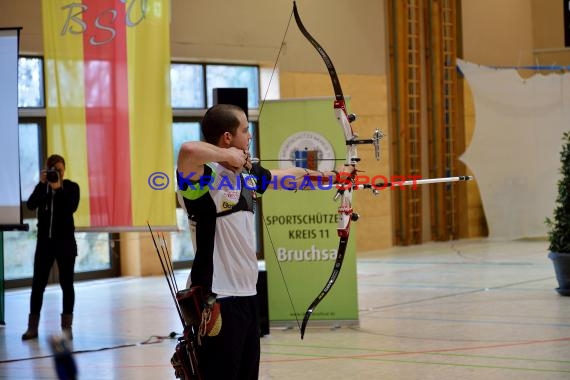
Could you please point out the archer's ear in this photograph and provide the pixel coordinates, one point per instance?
(226, 139)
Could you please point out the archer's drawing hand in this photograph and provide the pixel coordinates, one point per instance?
(236, 158)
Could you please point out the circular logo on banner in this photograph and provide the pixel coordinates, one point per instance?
(308, 150)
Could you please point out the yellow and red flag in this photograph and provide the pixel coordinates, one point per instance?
(107, 68)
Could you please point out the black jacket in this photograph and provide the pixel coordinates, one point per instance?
(55, 209)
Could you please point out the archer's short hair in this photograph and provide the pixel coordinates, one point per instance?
(218, 120)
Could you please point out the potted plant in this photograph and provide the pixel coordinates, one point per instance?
(559, 225)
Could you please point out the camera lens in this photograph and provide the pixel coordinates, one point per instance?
(52, 175)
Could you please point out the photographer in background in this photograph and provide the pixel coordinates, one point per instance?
(56, 199)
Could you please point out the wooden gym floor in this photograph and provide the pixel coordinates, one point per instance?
(470, 309)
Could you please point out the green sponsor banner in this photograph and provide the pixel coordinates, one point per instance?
(300, 232)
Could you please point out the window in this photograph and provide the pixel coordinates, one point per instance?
(187, 86)
(182, 132)
(30, 82)
(19, 249)
(29, 158)
(192, 84)
(93, 253)
(182, 249)
(192, 89)
(224, 76)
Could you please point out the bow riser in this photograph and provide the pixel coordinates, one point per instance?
(344, 214)
(342, 118)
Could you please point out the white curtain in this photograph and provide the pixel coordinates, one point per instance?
(515, 150)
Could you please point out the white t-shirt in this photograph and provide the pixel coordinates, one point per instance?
(221, 212)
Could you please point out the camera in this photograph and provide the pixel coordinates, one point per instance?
(52, 175)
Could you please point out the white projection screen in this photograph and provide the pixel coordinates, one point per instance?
(515, 150)
(9, 156)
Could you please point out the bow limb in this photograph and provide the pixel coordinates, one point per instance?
(345, 217)
(339, 104)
